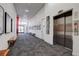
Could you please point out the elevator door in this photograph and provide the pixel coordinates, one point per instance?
(63, 29)
(68, 31)
(59, 31)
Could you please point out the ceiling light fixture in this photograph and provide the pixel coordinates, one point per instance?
(26, 10)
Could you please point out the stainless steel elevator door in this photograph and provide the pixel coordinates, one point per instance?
(68, 31)
(59, 31)
(63, 29)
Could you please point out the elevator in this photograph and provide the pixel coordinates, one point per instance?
(63, 29)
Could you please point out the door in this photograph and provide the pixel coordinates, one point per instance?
(68, 32)
(59, 31)
(21, 29)
(63, 29)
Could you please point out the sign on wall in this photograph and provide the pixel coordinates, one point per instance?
(76, 27)
(35, 27)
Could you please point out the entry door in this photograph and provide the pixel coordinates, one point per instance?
(59, 31)
(21, 29)
(68, 31)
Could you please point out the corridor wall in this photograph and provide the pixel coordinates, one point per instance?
(9, 8)
(51, 9)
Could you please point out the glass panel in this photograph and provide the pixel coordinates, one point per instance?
(21, 28)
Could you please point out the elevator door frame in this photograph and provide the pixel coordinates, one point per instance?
(65, 14)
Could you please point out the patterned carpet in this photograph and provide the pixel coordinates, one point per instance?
(28, 45)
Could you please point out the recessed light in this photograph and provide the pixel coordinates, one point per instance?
(26, 10)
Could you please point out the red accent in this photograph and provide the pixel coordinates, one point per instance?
(17, 23)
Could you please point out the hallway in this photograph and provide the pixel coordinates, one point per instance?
(28, 45)
(39, 29)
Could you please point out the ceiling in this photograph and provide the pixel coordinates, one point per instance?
(31, 9)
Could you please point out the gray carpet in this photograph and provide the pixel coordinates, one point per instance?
(28, 45)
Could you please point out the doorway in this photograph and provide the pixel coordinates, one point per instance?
(21, 29)
(63, 29)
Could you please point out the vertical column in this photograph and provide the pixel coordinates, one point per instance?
(17, 23)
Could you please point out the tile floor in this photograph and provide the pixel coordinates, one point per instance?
(28, 45)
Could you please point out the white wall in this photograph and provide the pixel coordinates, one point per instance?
(51, 9)
(9, 8)
(37, 20)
